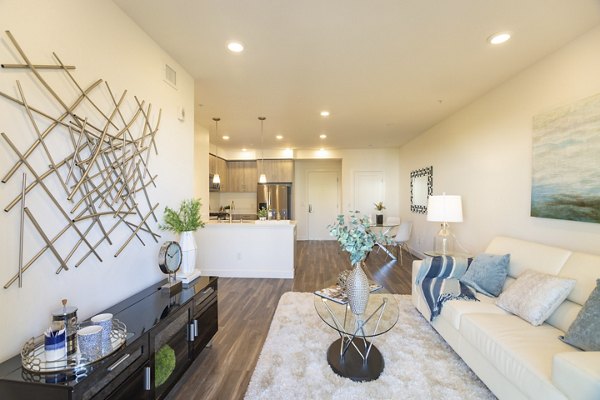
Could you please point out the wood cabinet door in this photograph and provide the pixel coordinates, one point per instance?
(212, 162)
(279, 170)
(250, 176)
(236, 176)
(221, 168)
(242, 176)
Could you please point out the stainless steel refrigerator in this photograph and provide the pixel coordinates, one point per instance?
(276, 198)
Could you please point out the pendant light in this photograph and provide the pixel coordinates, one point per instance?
(216, 177)
(262, 178)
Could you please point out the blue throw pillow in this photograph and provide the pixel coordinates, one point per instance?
(584, 331)
(487, 273)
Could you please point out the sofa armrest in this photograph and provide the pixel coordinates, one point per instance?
(577, 374)
(416, 294)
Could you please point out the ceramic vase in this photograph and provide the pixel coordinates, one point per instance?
(188, 251)
(379, 219)
(357, 289)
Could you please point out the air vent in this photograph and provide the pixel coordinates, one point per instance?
(170, 76)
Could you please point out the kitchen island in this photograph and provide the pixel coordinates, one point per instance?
(248, 249)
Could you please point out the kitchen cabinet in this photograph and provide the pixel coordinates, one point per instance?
(277, 171)
(242, 176)
(181, 325)
(217, 164)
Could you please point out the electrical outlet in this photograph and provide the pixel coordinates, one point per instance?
(238, 255)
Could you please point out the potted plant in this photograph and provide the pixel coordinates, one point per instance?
(355, 236)
(184, 222)
(379, 216)
(262, 214)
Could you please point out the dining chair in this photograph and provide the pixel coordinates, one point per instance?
(392, 223)
(402, 237)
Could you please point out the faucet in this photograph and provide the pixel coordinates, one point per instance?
(231, 208)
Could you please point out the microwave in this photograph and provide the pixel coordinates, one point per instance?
(213, 187)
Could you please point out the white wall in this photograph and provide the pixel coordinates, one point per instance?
(201, 147)
(352, 161)
(484, 151)
(300, 189)
(101, 42)
(384, 160)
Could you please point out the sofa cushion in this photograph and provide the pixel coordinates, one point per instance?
(534, 296)
(521, 352)
(585, 269)
(529, 255)
(453, 310)
(584, 333)
(577, 374)
(487, 273)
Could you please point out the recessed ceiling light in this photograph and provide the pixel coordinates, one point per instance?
(499, 38)
(323, 136)
(235, 47)
(225, 137)
(278, 137)
(324, 113)
(244, 149)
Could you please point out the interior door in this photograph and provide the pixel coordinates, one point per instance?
(368, 189)
(323, 203)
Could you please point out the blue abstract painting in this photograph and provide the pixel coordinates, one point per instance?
(566, 162)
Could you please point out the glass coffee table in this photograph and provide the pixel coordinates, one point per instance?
(352, 355)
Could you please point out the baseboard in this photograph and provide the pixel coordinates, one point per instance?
(244, 273)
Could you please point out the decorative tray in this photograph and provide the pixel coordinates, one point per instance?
(33, 355)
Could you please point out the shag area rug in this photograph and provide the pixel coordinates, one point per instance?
(418, 362)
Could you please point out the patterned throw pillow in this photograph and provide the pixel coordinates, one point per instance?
(584, 332)
(534, 296)
(487, 273)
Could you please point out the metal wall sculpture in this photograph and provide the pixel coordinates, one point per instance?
(95, 169)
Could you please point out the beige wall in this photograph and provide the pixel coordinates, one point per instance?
(386, 161)
(101, 42)
(483, 153)
(371, 160)
(201, 146)
(300, 189)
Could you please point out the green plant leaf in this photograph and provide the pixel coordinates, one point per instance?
(186, 219)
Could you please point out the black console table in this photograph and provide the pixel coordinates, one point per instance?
(165, 334)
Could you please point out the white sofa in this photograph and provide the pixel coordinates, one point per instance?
(515, 359)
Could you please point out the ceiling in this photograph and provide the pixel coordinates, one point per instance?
(386, 70)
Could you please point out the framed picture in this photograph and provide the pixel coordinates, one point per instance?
(566, 166)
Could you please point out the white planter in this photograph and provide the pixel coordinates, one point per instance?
(188, 250)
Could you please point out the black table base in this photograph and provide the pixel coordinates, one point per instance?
(351, 365)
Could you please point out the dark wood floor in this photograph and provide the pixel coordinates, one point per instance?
(246, 307)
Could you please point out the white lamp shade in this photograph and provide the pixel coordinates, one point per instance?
(444, 208)
(216, 178)
(262, 178)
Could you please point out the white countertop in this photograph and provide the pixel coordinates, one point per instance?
(251, 223)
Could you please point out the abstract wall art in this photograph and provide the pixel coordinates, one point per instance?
(566, 162)
(86, 161)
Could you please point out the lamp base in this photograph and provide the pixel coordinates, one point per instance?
(443, 242)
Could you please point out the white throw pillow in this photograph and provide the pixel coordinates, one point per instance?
(534, 296)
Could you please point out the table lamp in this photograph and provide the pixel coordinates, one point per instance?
(444, 209)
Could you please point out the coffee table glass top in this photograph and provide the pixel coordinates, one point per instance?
(380, 316)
